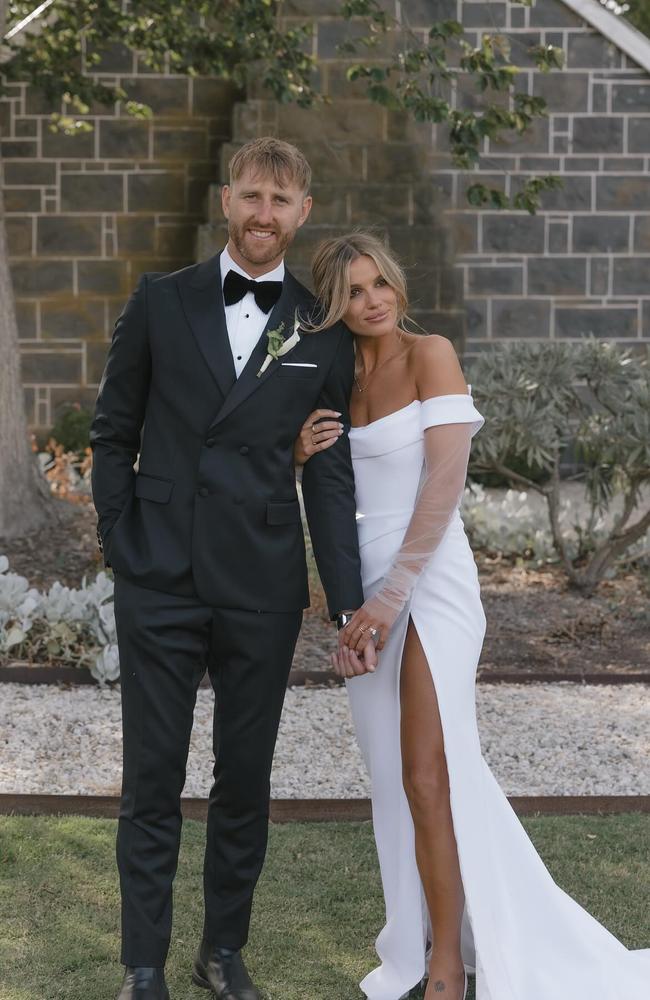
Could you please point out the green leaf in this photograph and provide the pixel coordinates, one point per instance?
(478, 194)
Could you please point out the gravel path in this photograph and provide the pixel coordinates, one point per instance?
(543, 739)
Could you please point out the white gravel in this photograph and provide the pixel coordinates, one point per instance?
(542, 739)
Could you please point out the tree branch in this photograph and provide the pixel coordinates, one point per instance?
(628, 506)
(553, 500)
(614, 546)
(517, 478)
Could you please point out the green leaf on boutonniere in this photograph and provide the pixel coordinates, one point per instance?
(278, 346)
(275, 341)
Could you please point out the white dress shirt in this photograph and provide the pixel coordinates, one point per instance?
(244, 319)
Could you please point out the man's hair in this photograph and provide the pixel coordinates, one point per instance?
(269, 156)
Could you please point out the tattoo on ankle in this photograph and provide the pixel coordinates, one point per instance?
(439, 986)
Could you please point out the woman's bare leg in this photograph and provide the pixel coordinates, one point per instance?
(426, 783)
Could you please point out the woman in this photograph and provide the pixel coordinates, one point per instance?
(460, 876)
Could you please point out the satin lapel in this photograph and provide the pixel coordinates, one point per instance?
(202, 300)
(248, 382)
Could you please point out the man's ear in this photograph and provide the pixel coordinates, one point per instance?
(305, 210)
(225, 200)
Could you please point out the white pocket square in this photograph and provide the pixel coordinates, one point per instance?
(298, 364)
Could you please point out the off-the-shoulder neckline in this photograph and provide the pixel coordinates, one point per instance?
(421, 402)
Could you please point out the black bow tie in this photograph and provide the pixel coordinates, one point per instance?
(266, 293)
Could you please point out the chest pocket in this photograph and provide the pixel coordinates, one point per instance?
(296, 371)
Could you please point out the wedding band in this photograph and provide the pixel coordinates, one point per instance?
(362, 628)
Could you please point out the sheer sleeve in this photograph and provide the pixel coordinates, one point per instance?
(448, 425)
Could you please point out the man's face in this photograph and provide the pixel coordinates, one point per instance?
(263, 218)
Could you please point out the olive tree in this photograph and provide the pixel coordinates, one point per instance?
(584, 406)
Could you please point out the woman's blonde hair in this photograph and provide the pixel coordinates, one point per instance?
(330, 270)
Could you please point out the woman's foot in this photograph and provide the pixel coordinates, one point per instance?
(446, 981)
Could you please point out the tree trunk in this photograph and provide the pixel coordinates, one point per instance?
(23, 494)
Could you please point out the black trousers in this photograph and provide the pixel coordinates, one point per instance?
(166, 643)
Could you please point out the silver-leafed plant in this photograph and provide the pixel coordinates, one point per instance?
(571, 413)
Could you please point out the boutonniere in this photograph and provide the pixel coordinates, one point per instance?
(277, 346)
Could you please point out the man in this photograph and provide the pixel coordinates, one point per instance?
(207, 548)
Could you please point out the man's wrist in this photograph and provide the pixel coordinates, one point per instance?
(342, 619)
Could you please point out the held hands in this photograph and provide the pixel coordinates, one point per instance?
(370, 625)
(317, 433)
(363, 637)
(346, 663)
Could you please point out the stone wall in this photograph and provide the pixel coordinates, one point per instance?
(371, 168)
(87, 215)
(580, 266)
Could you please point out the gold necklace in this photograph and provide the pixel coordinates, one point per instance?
(363, 388)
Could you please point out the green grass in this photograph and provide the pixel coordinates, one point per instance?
(318, 906)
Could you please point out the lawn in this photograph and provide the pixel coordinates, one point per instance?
(317, 910)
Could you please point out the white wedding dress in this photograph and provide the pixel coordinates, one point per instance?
(523, 935)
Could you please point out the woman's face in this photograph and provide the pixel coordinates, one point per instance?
(372, 311)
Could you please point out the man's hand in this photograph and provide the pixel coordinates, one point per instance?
(346, 663)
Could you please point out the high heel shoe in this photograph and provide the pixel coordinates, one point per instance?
(466, 985)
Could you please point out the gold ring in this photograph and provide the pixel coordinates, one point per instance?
(362, 628)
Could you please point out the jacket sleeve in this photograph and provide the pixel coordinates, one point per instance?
(119, 412)
(328, 491)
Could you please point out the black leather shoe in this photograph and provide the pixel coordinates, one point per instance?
(222, 970)
(143, 983)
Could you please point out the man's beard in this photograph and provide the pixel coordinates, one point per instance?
(258, 253)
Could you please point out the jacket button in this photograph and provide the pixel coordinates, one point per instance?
(209, 443)
(204, 491)
(244, 450)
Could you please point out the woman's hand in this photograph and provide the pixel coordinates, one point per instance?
(371, 623)
(317, 433)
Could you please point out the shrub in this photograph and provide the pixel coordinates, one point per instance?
(591, 401)
(67, 472)
(507, 523)
(74, 626)
(72, 429)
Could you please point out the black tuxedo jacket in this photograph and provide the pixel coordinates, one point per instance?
(212, 510)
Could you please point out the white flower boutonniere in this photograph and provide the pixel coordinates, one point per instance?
(277, 346)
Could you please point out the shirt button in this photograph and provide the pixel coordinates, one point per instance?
(210, 443)
(204, 492)
(244, 450)
(239, 357)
